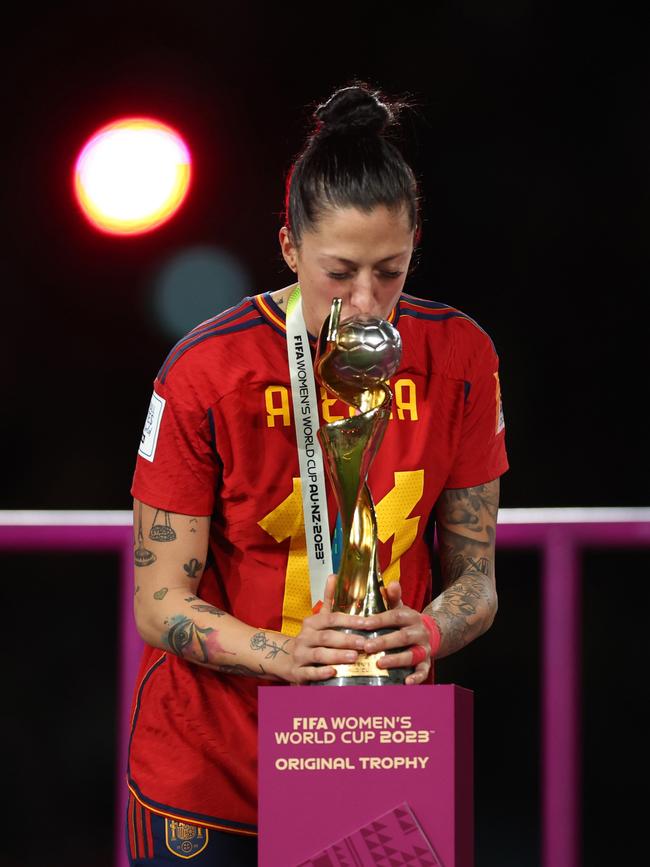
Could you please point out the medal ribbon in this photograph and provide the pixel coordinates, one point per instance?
(310, 457)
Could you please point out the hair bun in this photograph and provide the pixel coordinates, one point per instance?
(353, 110)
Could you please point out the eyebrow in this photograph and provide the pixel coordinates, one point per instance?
(353, 264)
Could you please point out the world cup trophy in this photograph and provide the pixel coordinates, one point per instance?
(354, 360)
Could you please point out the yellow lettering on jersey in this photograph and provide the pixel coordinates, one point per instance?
(406, 399)
(277, 407)
(392, 518)
(326, 403)
(287, 521)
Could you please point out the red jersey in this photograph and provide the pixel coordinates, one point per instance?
(220, 441)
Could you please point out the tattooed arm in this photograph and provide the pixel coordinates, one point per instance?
(466, 524)
(169, 553)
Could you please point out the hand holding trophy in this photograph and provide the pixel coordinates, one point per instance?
(354, 360)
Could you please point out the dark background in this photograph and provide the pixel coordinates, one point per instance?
(531, 144)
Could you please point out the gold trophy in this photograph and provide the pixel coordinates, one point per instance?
(354, 360)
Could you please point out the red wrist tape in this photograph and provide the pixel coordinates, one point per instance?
(434, 633)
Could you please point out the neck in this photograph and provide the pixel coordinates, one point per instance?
(281, 298)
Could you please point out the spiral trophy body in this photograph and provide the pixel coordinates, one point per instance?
(355, 359)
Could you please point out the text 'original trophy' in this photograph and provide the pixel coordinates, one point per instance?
(354, 360)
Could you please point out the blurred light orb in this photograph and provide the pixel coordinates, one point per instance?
(132, 176)
(195, 284)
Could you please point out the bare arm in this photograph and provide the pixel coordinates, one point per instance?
(169, 563)
(466, 519)
(170, 553)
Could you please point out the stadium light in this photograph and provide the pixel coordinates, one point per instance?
(132, 175)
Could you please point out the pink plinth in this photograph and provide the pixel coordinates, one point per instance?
(341, 770)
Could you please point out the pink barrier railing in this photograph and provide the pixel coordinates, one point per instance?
(559, 533)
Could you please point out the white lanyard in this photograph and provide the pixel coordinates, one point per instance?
(310, 456)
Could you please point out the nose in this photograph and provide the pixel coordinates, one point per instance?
(362, 295)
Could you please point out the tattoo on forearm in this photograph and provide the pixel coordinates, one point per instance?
(467, 527)
(260, 641)
(160, 594)
(141, 555)
(193, 567)
(241, 669)
(209, 609)
(193, 521)
(162, 531)
(473, 509)
(190, 641)
(457, 564)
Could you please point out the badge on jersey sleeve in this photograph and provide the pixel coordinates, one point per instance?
(501, 422)
(185, 840)
(151, 428)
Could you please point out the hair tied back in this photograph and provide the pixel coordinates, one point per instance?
(353, 110)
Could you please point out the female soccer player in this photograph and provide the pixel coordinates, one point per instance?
(222, 595)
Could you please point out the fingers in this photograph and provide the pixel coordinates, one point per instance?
(418, 654)
(328, 595)
(394, 595)
(394, 617)
(416, 657)
(310, 673)
(398, 638)
(419, 675)
(326, 619)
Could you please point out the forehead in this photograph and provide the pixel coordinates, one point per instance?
(349, 232)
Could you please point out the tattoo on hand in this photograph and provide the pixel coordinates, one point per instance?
(137, 590)
(160, 594)
(193, 567)
(191, 598)
(259, 641)
(193, 521)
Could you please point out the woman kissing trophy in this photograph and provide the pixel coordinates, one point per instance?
(354, 360)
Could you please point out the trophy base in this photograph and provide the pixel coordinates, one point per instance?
(364, 672)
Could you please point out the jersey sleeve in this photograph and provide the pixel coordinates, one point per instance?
(177, 466)
(481, 452)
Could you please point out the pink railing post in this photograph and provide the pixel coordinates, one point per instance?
(130, 652)
(560, 700)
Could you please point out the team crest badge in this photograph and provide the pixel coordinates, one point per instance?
(185, 840)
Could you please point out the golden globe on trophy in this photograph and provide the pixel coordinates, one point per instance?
(354, 360)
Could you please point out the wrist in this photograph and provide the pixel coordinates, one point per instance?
(433, 631)
(276, 649)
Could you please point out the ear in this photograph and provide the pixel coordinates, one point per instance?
(289, 251)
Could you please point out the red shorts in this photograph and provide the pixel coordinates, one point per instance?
(156, 841)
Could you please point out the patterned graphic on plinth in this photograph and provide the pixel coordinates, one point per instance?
(391, 840)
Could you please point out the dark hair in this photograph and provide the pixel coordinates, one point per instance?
(349, 161)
